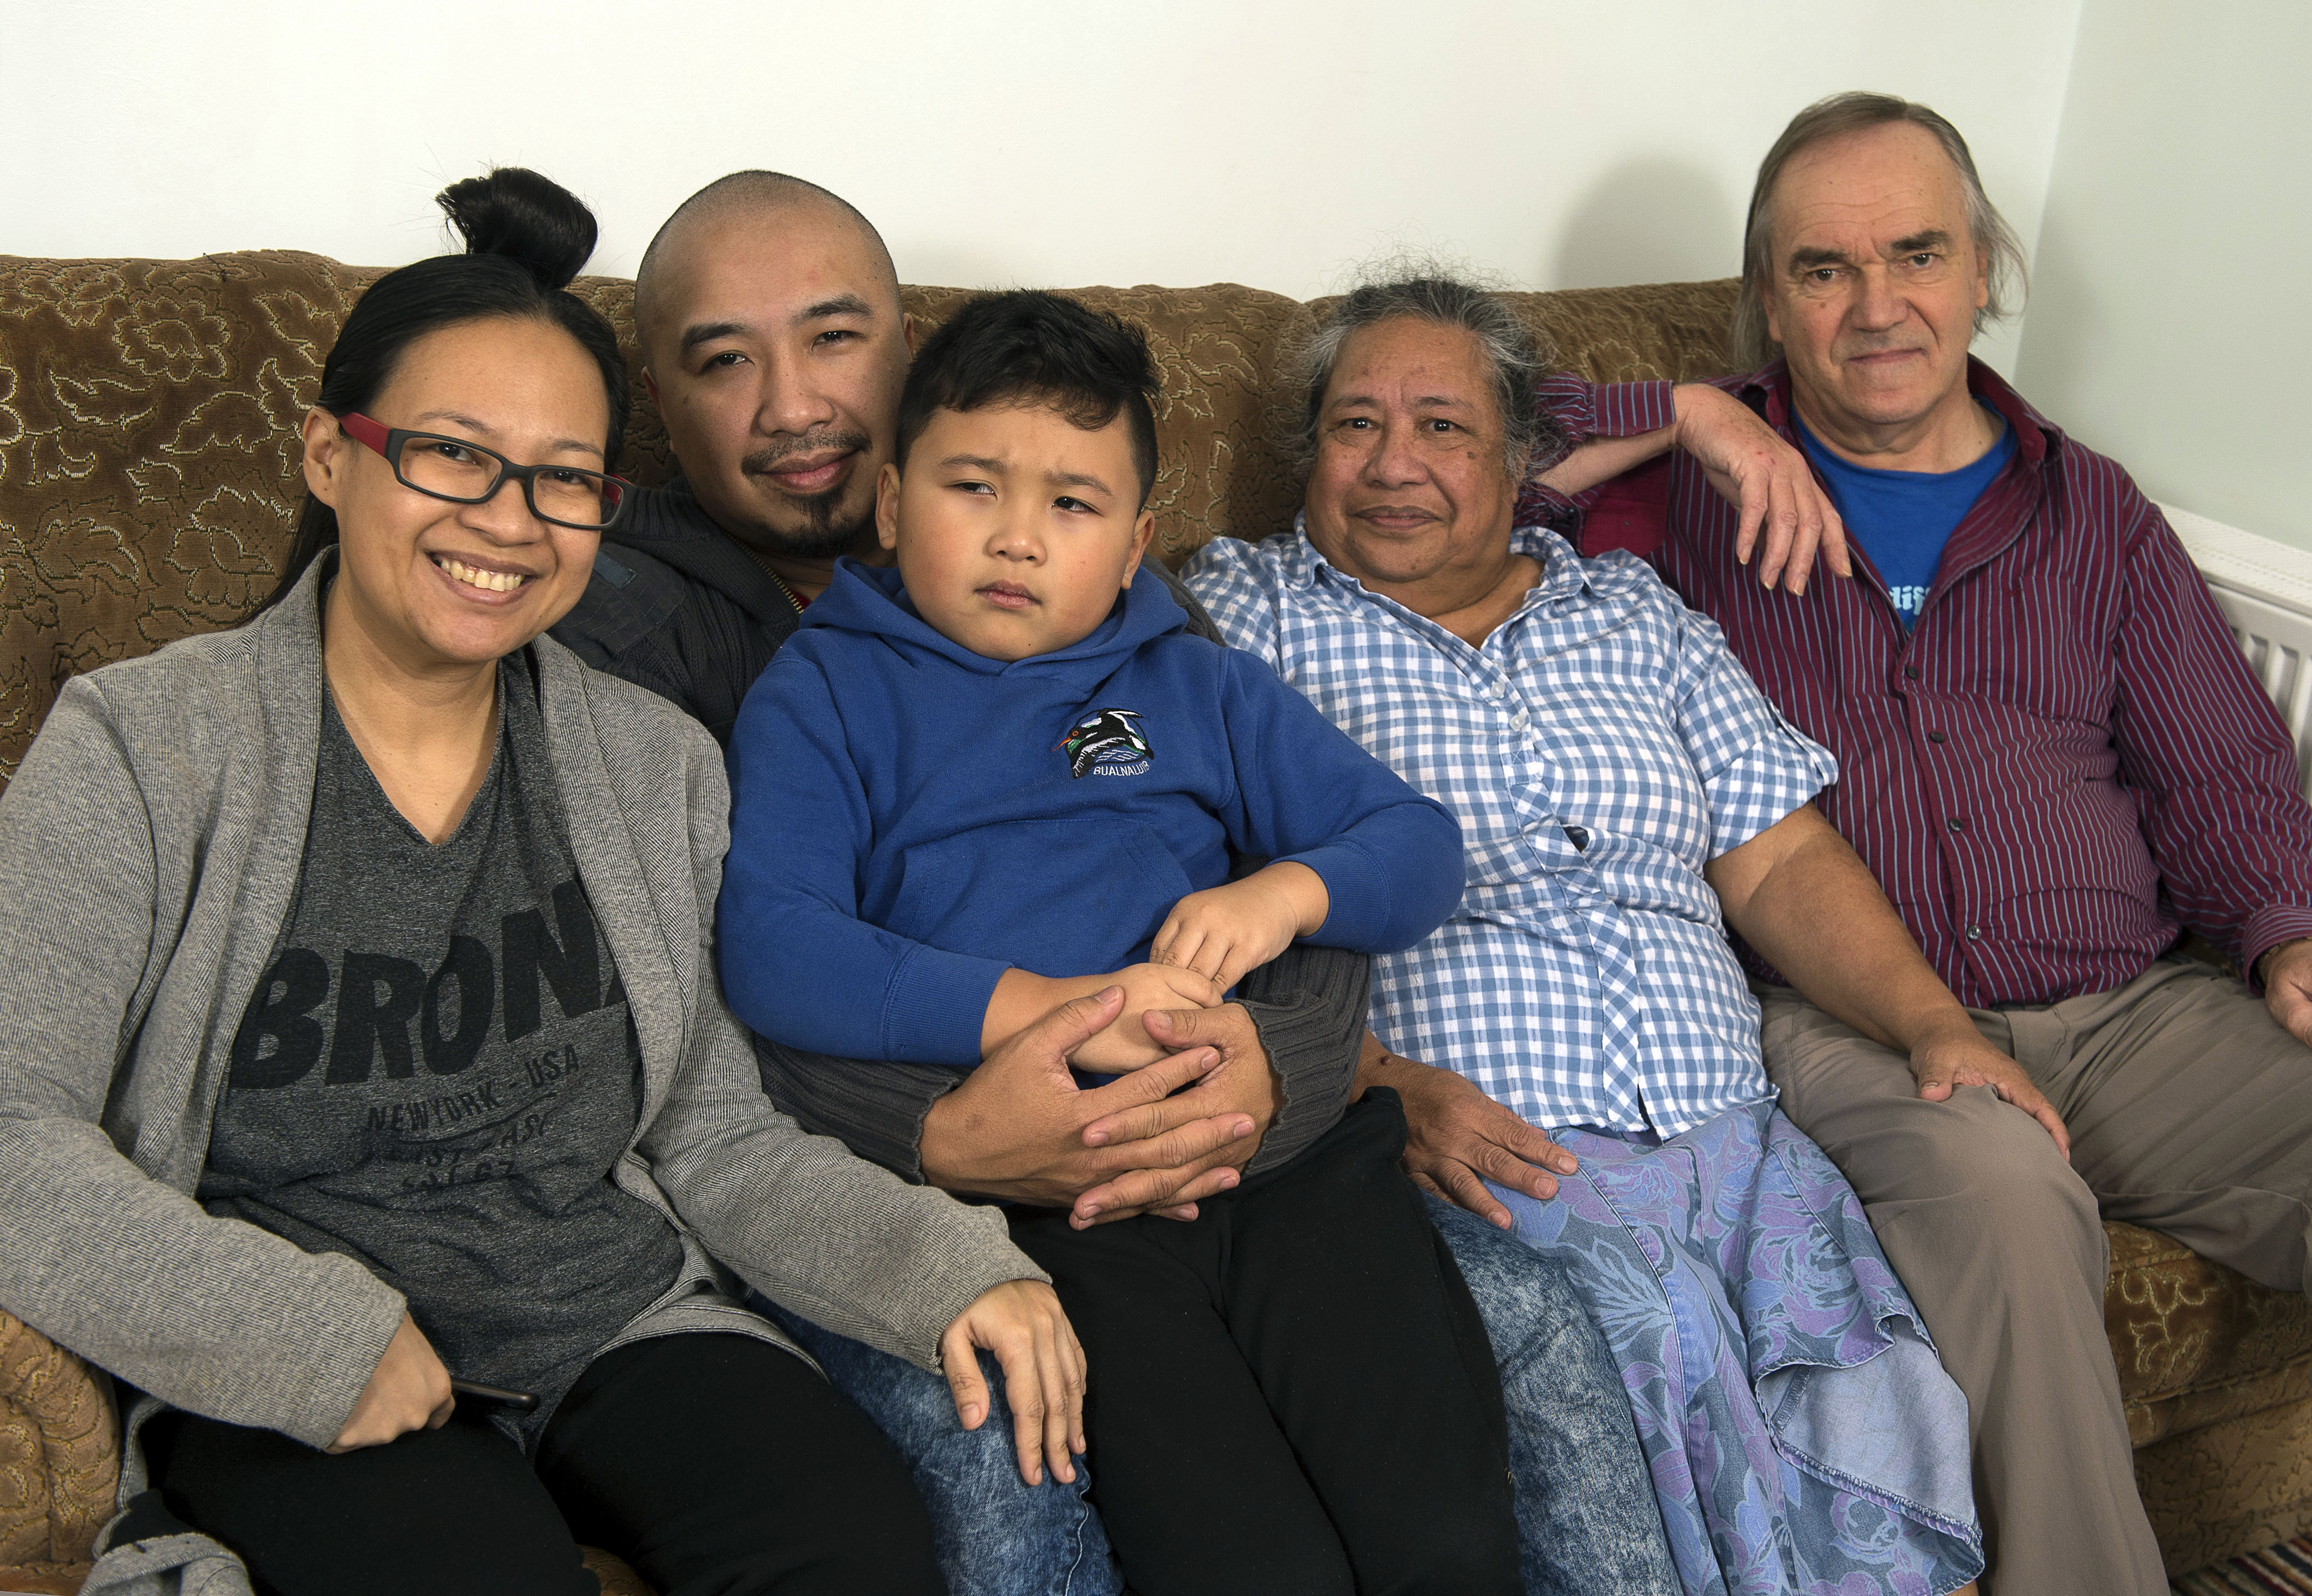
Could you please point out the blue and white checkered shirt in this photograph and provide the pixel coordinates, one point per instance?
(1598, 749)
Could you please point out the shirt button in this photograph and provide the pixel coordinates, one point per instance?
(1958, 823)
(1936, 736)
(1974, 934)
(1912, 671)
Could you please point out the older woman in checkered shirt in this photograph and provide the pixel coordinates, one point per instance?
(1593, 1078)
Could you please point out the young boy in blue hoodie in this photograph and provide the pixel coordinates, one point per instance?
(1002, 775)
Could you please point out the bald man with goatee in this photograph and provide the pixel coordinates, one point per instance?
(773, 345)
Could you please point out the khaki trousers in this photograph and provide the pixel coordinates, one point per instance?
(2189, 1111)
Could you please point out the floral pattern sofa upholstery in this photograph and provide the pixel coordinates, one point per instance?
(148, 477)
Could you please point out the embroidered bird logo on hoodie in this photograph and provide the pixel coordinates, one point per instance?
(1107, 742)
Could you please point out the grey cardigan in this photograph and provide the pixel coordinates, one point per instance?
(149, 847)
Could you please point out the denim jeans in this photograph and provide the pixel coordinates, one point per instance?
(995, 1534)
(1587, 1523)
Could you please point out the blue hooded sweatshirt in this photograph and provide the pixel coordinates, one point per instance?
(909, 819)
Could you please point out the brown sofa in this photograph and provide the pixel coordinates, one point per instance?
(148, 455)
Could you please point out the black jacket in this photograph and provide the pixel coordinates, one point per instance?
(677, 606)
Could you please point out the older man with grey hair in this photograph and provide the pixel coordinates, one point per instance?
(2055, 762)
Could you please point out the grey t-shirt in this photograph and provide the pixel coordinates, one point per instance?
(439, 1073)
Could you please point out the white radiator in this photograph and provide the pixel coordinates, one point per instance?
(2264, 589)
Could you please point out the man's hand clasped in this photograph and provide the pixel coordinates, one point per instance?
(1020, 1128)
(1196, 1092)
(1125, 1045)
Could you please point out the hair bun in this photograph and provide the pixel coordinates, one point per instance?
(528, 218)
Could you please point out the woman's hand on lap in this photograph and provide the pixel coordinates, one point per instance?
(1458, 1138)
(409, 1390)
(1021, 1323)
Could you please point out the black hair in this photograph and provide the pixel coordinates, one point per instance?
(526, 237)
(1029, 346)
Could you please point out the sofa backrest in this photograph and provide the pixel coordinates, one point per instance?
(149, 414)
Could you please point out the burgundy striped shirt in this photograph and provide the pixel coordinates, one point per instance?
(2064, 762)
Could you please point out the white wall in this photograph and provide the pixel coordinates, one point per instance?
(2169, 322)
(1269, 142)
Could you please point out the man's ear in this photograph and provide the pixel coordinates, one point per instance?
(1982, 277)
(327, 451)
(649, 385)
(887, 505)
(1773, 313)
(907, 332)
(1143, 529)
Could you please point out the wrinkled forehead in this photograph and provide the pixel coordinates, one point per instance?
(1879, 184)
(764, 263)
(1410, 362)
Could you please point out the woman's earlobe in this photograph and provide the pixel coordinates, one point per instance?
(325, 446)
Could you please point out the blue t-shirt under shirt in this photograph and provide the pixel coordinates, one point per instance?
(1903, 518)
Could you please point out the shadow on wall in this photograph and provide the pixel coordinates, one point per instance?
(1654, 220)
(2062, 350)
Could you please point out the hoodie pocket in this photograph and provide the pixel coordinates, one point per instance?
(1059, 897)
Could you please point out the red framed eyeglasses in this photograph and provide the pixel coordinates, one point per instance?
(463, 472)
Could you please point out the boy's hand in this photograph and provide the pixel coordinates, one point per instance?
(1225, 931)
(1020, 1321)
(1125, 1046)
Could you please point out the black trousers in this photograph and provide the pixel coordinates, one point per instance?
(711, 1463)
(1293, 1392)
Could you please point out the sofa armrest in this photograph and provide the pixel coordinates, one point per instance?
(59, 1450)
(2197, 1344)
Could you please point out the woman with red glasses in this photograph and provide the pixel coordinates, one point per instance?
(367, 1102)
